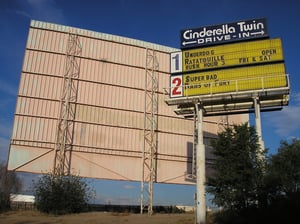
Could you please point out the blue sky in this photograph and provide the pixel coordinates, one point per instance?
(157, 21)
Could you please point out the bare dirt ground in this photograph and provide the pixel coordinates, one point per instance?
(34, 217)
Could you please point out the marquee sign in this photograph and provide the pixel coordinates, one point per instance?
(224, 33)
(237, 54)
(217, 66)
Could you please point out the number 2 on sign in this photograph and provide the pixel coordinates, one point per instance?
(176, 86)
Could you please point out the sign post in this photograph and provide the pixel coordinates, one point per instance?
(200, 170)
(258, 124)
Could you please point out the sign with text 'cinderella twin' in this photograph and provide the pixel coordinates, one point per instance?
(222, 33)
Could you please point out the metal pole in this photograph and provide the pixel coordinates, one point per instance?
(200, 171)
(258, 123)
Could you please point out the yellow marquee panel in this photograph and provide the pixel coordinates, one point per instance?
(253, 52)
(235, 80)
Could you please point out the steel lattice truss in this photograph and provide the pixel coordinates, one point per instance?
(150, 131)
(64, 135)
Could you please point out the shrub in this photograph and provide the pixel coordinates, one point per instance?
(62, 194)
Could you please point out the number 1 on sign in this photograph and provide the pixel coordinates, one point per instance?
(176, 62)
(176, 58)
(176, 86)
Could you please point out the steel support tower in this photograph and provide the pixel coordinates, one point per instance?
(65, 127)
(150, 132)
(195, 137)
(200, 169)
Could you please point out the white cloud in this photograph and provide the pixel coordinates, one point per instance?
(128, 187)
(296, 97)
(23, 13)
(286, 122)
(46, 10)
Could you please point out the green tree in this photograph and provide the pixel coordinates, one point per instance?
(9, 183)
(238, 168)
(283, 173)
(249, 188)
(62, 194)
(281, 189)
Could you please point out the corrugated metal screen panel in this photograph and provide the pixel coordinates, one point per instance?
(40, 86)
(241, 118)
(164, 82)
(114, 74)
(44, 63)
(46, 40)
(173, 144)
(107, 166)
(114, 52)
(33, 129)
(103, 36)
(37, 107)
(107, 139)
(166, 110)
(175, 125)
(172, 172)
(109, 116)
(96, 49)
(164, 61)
(36, 159)
(111, 96)
(214, 125)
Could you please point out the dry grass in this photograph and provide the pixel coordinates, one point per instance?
(34, 217)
